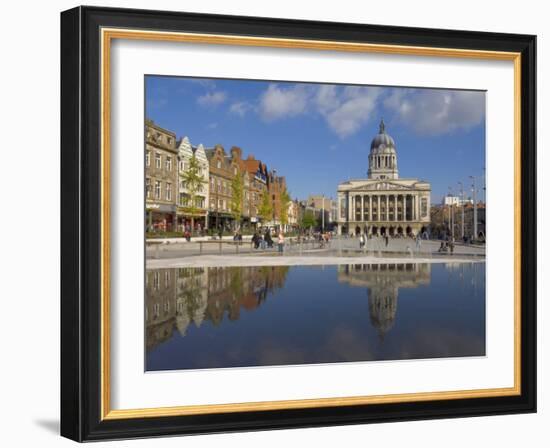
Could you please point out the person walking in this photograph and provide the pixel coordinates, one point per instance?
(281, 242)
(362, 241)
(387, 238)
(418, 242)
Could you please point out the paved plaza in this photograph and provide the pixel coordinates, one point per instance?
(343, 250)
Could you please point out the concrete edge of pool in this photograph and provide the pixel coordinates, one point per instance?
(200, 261)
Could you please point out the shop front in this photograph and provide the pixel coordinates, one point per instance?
(160, 218)
(196, 221)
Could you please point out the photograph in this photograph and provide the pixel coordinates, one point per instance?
(292, 223)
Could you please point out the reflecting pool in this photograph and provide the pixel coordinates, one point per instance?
(199, 318)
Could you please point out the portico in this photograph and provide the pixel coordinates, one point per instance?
(383, 204)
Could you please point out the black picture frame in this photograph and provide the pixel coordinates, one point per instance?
(81, 224)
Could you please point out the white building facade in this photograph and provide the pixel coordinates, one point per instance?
(184, 207)
(383, 203)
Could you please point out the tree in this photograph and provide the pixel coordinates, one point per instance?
(265, 210)
(192, 180)
(237, 196)
(284, 201)
(308, 220)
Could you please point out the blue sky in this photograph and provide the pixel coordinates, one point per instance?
(318, 135)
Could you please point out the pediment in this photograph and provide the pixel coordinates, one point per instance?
(383, 186)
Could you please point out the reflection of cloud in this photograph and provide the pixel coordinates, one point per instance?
(440, 343)
(272, 353)
(344, 344)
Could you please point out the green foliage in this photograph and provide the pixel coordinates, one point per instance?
(237, 197)
(193, 182)
(308, 220)
(284, 201)
(265, 211)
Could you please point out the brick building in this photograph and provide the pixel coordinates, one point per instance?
(160, 178)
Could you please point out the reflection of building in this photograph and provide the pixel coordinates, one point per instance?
(383, 204)
(160, 305)
(160, 178)
(382, 282)
(177, 298)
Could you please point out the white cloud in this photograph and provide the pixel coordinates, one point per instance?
(240, 108)
(280, 102)
(212, 125)
(212, 99)
(436, 112)
(347, 109)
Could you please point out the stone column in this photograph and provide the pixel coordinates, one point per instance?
(378, 208)
(370, 207)
(387, 207)
(362, 208)
(350, 207)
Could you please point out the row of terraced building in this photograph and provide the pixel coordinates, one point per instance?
(167, 200)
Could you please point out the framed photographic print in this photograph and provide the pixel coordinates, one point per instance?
(274, 223)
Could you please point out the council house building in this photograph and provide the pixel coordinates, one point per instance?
(383, 203)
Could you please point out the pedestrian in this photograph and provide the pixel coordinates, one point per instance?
(220, 233)
(418, 243)
(362, 241)
(281, 242)
(268, 239)
(452, 245)
(387, 238)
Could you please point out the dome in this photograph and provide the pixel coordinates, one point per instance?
(382, 143)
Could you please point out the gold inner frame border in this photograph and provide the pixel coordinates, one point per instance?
(107, 35)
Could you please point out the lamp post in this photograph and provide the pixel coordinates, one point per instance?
(475, 205)
(462, 198)
(451, 212)
(323, 215)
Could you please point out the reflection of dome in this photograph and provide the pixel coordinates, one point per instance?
(382, 308)
(382, 143)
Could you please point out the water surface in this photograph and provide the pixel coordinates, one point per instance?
(278, 315)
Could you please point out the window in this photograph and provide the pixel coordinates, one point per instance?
(168, 191)
(212, 183)
(183, 200)
(156, 281)
(147, 158)
(166, 279)
(148, 187)
(182, 165)
(157, 160)
(219, 186)
(169, 140)
(235, 170)
(157, 189)
(218, 164)
(168, 164)
(424, 207)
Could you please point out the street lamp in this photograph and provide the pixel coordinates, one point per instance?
(451, 214)
(462, 198)
(475, 205)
